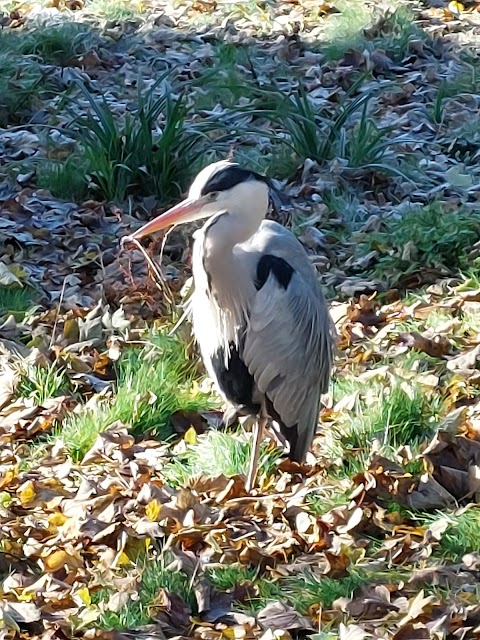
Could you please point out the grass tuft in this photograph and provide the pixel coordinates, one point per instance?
(430, 237)
(383, 418)
(154, 577)
(152, 383)
(227, 577)
(64, 180)
(460, 537)
(16, 301)
(42, 383)
(58, 45)
(148, 152)
(219, 453)
(23, 86)
(307, 590)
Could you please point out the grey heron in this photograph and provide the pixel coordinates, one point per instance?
(259, 315)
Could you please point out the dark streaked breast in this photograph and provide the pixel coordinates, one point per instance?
(280, 268)
(234, 379)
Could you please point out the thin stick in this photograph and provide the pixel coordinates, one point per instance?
(161, 282)
(62, 293)
(179, 323)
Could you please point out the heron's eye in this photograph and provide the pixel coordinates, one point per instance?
(212, 195)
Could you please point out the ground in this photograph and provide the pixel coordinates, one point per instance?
(122, 508)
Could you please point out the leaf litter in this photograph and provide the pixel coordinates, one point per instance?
(108, 530)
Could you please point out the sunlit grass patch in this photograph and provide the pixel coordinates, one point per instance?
(461, 535)
(152, 383)
(41, 383)
(427, 237)
(396, 31)
(117, 10)
(225, 578)
(323, 500)
(302, 591)
(344, 30)
(307, 590)
(359, 27)
(220, 453)
(385, 416)
(155, 576)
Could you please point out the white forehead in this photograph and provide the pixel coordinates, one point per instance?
(204, 176)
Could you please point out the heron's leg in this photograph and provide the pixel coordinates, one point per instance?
(258, 430)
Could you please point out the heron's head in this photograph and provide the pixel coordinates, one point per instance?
(220, 187)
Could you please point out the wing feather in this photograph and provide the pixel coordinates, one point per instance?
(288, 348)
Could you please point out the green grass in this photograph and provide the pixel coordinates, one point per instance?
(23, 87)
(41, 383)
(300, 591)
(117, 10)
(306, 590)
(387, 415)
(467, 81)
(218, 453)
(153, 382)
(154, 577)
(461, 536)
(64, 180)
(359, 28)
(427, 237)
(16, 301)
(322, 501)
(225, 578)
(226, 82)
(315, 134)
(133, 155)
(59, 45)
(327, 133)
(394, 33)
(344, 31)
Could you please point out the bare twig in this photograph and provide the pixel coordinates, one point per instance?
(160, 280)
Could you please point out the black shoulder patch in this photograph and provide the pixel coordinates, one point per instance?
(228, 177)
(282, 271)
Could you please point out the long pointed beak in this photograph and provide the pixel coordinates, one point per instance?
(185, 211)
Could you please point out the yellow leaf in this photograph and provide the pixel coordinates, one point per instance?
(190, 436)
(57, 519)
(84, 595)
(152, 510)
(123, 559)
(455, 8)
(27, 493)
(7, 477)
(56, 560)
